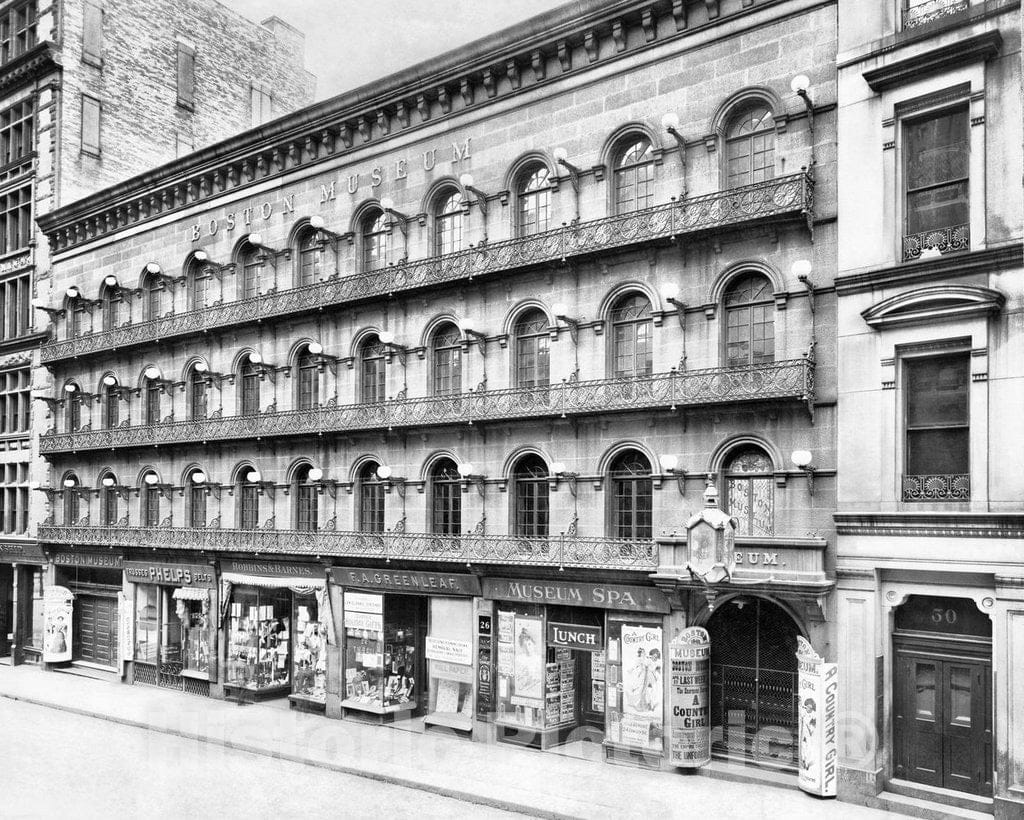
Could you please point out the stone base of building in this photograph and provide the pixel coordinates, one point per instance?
(859, 785)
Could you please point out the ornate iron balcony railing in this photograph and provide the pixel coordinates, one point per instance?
(943, 240)
(786, 196)
(918, 14)
(936, 487)
(562, 550)
(792, 379)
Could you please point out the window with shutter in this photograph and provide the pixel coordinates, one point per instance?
(186, 76)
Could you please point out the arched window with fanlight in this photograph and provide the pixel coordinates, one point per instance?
(311, 257)
(72, 406)
(448, 213)
(632, 337)
(631, 496)
(305, 490)
(149, 500)
(446, 360)
(199, 282)
(108, 500)
(76, 317)
(750, 146)
(153, 289)
(533, 201)
(532, 350)
(198, 395)
(370, 498)
(251, 264)
(531, 511)
(749, 490)
(151, 390)
(248, 491)
(445, 498)
(749, 321)
(72, 500)
(634, 175)
(111, 301)
(308, 386)
(372, 371)
(375, 236)
(249, 387)
(111, 402)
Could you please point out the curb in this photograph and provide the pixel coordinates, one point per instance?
(472, 798)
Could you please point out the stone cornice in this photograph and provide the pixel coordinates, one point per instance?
(980, 47)
(37, 61)
(930, 270)
(566, 41)
(931, 525)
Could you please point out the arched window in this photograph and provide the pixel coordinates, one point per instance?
(309, 380)
(371, 499)
(533, 205)
(634, 176)
(248, 500)
(200, 281)
(448, 223)
(197, 395)
(630, 475)
(530, 497)
(445, 498)
(376, 240)
(108, 500)
(305, 500)
(151, 390)
(112, 300)
(76, 317)
(111, 405)
(446, 360)
(150, 503)
(749, 494)
(749, 321)
(72, 501)
(197, 494)
(73, 406)
(311, 257)
(249, 379)
(532, 346)
(750, 146)
(252, 267)
(372, 372)
(632, 330)
(153, 288)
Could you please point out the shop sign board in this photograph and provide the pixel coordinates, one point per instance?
(561, 593)
(449, 650)
(407, 581)
(272, 569)
(364, 620)
(574, 636)
(818, 687)
(170, 574)
(125, 628)
(102, 560)
(484, 667)
(690, 739)
(15, 553)
(364, 602)
(58, 611)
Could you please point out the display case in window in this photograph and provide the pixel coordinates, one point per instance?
(192, 610)
(259, 640)
(309, 654)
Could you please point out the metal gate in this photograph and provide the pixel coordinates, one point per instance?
(754, 698)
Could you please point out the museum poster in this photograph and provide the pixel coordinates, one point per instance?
(818, 689)
(641, 684)
(57, 614)
(690, 655)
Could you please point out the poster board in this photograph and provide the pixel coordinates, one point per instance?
(58, 611)
(690, 656)
(818, 688)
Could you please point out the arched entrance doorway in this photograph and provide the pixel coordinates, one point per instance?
(753, 682)
(942, 681)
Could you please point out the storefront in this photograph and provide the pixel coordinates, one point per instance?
(21, 601)
(409, 645)
(94, 579)
(580, 662)
(277, 626)
(172, 640)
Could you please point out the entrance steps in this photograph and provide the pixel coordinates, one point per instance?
(916, 800)
(85, 669)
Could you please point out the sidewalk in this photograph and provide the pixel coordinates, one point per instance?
(535, 783)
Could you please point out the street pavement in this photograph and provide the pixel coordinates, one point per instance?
(541, 784)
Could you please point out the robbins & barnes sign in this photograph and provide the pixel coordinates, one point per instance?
(272, 569)
(561, 593)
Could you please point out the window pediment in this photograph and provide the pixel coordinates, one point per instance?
(934, 304)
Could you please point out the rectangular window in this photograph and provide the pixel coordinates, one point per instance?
(14, 499)
(15, 397)
(938, 429)
(17, 30)
(15, 304)
(936, 175)
(91, 110)
(262, 104)
(186, 76)
(92, 34)
(17, 132)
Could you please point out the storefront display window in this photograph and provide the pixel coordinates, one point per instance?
(35, 611)
(192, 613)
(449, 651)
(634, 684)
(309, 663)
(172, 629)
(259, 638)
(146, 623)
(524, 688)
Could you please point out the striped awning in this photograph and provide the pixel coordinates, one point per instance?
(192, 594)
(273, 581)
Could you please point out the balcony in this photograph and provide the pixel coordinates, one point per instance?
(782, 198)
(791, 380)
(919, 14)
(557, 551)
(936, 488)
(936, 242)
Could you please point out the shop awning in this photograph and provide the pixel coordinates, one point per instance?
(192, 594)
(273, 581)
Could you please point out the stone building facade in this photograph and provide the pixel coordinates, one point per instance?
(91, 94)
(397, 393)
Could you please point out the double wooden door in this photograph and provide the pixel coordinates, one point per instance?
(943, 720)
(96, 629)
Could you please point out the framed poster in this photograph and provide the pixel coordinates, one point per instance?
(58, 610)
